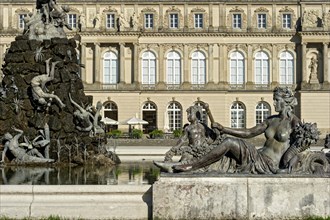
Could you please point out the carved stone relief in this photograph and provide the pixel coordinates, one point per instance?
(191, 18)
(311, 18)
(239, 47)
(326, 19)
(236, 10)
(173, 10)
(262, 10)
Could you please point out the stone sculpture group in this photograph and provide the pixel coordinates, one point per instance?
(40, 92)
(284, 151)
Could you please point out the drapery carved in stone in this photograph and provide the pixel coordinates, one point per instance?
(310, 18)
(149, 10)
(236, 10)
(262, 10)
(286, 10)
(173, 10)
(191, 17)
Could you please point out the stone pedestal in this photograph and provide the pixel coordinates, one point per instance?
(240, 197)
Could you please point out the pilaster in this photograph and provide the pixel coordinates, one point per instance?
(275, 75)
(162, 71)
(210, 83)
(136, 64)
(186, 73)
(83, 61)
(250, 76)
(122, 63)
(97, 60)
(325, 63)
(303, 62)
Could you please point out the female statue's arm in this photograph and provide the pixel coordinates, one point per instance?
(243, 133)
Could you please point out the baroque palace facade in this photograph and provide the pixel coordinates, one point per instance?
(154, 59)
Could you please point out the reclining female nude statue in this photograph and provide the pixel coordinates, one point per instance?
(38, 84)
(279, 132)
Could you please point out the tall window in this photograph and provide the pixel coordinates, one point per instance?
(286, 68)
(174, 113)
(72, 20)
(262, 20)
(149, 21)
(21, 22)
(261, 68)
(110, 72)
(236, 68)
(148, 68)
(198, 20)
(149, 114)
(198, 68)
(174, 20)
(262, 112)
(173, 68)
(110, 22)
(237, 21)
(237, 115)
(286, 21)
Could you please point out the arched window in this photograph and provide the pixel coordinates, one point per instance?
(110, 68)
(262, 112)
(148, 68)
(286, 68)
(237, 115)
(174, 113)
(111, 111)
(173, 68)
(204, 118)
(149, 114)
(237, 72)
(198, 68)
(261, 68)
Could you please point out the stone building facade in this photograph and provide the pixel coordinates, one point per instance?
(154, 59)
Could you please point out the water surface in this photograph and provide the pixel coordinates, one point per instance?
(126, 173)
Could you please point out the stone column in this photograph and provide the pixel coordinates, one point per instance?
(83, 61)
(186, 72)
(303, 63)
(210, 66)
(136, 79)
(97, 60)
(250, 76)
(325, 63)
(122, 63)
(275, 72)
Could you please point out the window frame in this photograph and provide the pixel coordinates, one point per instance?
(261, 114)
(174, 113)
(237, 21)
(111, 58)
(237, 109)
(152, 66)
(262, 21)
(234, 56)
(198, 20)
(110, 22)
(201, 68)
(21, 22)
(173, 21)
(287, 58)
(287, 21)
(262, 68)
(72, 22)
(149, 20)
(171, 73)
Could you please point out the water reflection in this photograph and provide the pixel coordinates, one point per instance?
(125, 173)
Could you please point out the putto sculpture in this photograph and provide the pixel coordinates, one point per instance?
(284, 151)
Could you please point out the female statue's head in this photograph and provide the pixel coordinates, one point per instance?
(284, 100)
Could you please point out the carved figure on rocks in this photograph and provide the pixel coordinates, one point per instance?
(96, 122)
(83, 115)
(278, 130)
(201, 139)
(38, 84)
(21, 156)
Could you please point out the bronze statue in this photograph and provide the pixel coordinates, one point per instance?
(278, 130)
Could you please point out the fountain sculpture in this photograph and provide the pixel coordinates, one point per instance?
(285, 149)
(44, 113)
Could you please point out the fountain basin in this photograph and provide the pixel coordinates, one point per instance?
(73, 202)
